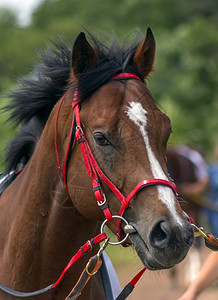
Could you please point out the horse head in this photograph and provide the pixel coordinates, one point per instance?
(127, 135)
(108, 139)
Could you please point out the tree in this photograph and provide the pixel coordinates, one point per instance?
(188, 61)
(186, 33)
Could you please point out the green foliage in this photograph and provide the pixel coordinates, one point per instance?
(186, 83)
(6, 132)
(189, 83)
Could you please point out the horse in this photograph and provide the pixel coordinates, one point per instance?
(90, 130)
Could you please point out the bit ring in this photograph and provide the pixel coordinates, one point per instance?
(126, 236)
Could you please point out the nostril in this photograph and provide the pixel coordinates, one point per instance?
(159, 235)
(166, 235)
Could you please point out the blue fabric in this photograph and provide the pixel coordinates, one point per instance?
(213, 195)
(109, 278)
(213, 183)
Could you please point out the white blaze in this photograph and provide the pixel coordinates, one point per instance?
(138, 115)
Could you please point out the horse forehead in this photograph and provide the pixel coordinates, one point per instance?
(111, 92)
(116, 98)
(137, 113)
(142, 110)
(106, 99)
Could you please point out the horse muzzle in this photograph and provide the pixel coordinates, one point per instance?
(165, 244)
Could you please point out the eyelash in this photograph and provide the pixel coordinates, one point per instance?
(101, 139)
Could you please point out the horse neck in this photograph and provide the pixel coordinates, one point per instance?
(43, 217)
(43, 187)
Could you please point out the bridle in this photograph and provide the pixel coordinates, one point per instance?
(97, 175)
(93, 169)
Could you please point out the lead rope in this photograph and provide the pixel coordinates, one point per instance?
(92, 268)
(210, 241)
(80, 253)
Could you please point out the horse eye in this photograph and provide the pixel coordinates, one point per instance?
(101, 139)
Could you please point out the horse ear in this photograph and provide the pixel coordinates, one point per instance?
(143, 58)
(83, 55)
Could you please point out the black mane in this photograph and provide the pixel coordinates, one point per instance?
(31, 105)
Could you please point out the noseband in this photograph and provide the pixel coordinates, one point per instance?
(93, 169)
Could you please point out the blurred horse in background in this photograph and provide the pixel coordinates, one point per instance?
(188, 169)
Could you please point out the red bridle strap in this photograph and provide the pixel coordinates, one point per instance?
(125, 76)
(91, 166)
(141, 185)
(63, 171)
(83, 250)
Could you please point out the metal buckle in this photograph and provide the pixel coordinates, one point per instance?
(87, 270)
(100, 203)
(90, 244)
(101, 249)
(80, 129)
(126, 236)
(199, 231)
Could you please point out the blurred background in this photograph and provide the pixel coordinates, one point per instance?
(185, 84)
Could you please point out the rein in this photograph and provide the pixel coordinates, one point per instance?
(83, 250)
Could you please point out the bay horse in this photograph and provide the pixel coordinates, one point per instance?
(94, 95)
